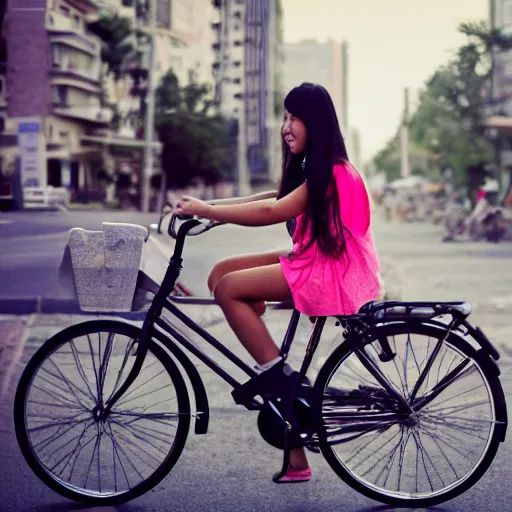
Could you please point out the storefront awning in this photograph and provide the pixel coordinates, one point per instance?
(120, 142)
(499, 122)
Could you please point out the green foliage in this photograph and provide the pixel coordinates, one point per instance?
(387, 159)
(449, 120)
(116, 46)
(195, 142)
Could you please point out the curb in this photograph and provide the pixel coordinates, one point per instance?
(54, 305)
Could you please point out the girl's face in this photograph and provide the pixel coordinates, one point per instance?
(294, 133)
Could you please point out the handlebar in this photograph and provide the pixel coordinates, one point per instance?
(191, 222)
(207, 225)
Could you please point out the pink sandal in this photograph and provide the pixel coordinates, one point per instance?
(295, 476)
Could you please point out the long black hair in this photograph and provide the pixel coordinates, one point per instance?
(325, 147)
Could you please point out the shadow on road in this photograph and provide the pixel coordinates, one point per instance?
(389, 508)
(75, 507)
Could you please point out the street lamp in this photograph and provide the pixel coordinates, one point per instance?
(149, 128)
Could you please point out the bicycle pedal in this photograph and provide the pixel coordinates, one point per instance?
(266, 382)
(313, 448)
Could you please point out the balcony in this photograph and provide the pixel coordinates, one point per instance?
(69, 69)
(91, 113)
(58, 24)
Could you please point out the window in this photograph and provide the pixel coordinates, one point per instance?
(163, 13)
(66, 11)
(507, 13)
(60, 95)
(56, 56)
(77, 21)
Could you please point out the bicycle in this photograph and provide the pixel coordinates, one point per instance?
(402, 422)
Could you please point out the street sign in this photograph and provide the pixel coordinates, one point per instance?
(28, 141)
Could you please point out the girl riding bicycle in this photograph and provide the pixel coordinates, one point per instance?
(332, 269)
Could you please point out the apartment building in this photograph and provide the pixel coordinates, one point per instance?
(51, 90)
(54, 88)
(499, 121)
(247, 54)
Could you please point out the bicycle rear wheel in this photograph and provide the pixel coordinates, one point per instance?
(60, 429)
(419, 459)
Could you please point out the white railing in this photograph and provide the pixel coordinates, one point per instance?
(45, 197)
(57, 22)
(89, 113)
(67, 66)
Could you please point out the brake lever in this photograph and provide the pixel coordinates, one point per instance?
(183, 216)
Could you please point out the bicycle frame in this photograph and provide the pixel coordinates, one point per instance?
(155, 325)
(356, 329)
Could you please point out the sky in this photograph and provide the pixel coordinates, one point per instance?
(393, 44)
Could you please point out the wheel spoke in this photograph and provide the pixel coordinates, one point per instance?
(86, 450)
(423, 454)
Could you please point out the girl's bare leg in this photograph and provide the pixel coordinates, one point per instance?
(234, 293)
(243, 262)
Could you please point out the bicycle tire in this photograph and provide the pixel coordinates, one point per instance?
(68, 490)
(342, 354)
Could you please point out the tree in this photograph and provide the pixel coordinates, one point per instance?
(195, 142)
(387, 159)
(115, 33)
(449, 120)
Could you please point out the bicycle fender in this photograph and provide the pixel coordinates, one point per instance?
(201, 398)
(483, 341)
(485, 360)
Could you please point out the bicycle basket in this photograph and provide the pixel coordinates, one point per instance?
(105, 265)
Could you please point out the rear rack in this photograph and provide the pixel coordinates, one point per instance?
(391, 310)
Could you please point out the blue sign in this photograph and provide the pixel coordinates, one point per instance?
(28, 128)
(28, 141)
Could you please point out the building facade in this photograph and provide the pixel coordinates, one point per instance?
(247, 57)
(325, 64)
(322, 63)
(499, 121)
(184, 38)
(85, 124)
(53, 86)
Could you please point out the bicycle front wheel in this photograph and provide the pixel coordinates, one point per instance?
(417, 459)
(62, 433)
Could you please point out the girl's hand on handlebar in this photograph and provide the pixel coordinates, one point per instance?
(192, 206)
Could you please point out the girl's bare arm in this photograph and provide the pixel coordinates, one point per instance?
(247, 199)
(261, 212)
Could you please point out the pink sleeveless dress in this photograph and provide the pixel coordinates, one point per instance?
(330, 286)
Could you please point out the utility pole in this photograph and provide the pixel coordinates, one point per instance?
(243, 170)
(270, 121)
(404, 138)
(344, 86)
(149, 128)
